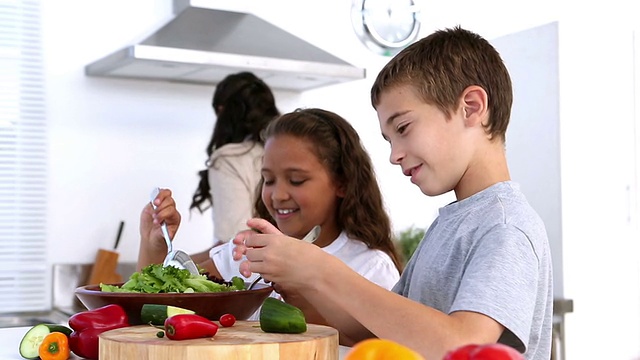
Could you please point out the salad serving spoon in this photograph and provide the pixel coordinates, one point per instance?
(310, 238)
(177, 258)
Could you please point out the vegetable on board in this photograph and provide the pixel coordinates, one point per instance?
(279, 317)
(156, 314)
(189, 326)
(55, 346)
(87, 325)
(227, 320)
(30, 343)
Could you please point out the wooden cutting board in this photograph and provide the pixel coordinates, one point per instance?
(243, 340)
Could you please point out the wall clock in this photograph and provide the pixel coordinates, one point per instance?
(385, 26)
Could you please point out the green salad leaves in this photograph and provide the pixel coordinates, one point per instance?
(155, 278)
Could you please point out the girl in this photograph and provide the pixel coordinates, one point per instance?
(314, 172)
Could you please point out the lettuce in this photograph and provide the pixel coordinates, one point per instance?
(155, 278)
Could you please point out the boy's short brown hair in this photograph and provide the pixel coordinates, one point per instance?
(443, 64)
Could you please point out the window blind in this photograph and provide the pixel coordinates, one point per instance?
(23, 160)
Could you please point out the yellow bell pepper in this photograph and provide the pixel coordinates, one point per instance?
(381, 349)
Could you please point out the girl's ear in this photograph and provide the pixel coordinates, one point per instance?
(342, 189)
(474, 105)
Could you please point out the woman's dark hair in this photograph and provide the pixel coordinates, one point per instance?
(244, 105)
(361, 213)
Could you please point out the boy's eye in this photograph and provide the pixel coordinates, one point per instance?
(267, 181)
(401, 129)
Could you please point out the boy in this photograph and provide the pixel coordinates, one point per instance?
(482, 273)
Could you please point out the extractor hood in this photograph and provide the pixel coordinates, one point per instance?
(202, 45)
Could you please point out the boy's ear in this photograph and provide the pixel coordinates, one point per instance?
(475, 102)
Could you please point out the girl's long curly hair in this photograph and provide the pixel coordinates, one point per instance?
(361, 212)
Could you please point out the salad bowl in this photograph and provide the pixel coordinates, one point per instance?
(241, 303)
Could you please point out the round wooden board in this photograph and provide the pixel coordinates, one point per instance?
(244, 340)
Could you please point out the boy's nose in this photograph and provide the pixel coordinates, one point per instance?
(396, 155)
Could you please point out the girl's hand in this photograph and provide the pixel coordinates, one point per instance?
(150, 220)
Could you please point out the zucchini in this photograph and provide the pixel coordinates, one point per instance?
(279, 317)
(33, 338)
(156, 314)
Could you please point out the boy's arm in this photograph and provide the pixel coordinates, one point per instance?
(352, 303)
(313, 316)
(392, 316)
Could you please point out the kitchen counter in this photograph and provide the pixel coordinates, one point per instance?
(10, 341)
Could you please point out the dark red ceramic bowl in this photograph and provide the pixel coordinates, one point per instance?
(240, 303)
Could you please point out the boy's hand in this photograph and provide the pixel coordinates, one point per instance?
(280, 259)
(259, 226)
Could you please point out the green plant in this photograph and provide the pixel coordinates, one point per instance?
(408, 241)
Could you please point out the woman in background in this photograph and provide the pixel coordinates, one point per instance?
(244, 105)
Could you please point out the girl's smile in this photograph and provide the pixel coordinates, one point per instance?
(298, 189)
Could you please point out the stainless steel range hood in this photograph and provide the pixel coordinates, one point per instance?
(202, 45)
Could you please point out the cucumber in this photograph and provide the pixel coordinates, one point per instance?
(279, 317)
(156, 314)
(33, 338)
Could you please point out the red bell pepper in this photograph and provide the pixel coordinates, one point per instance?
(461, 353)
(189, 326)
(496, 352)
(492, 351)
(87, 325)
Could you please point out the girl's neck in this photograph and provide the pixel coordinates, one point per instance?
(328, 234)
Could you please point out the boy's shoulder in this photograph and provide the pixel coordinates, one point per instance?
(502, 202)
(504, 205)
(501, 192)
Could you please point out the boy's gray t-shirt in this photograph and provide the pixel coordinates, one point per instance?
(488, 254)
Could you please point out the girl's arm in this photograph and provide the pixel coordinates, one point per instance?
(153, 248)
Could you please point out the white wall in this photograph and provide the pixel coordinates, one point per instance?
(600, 234)
(112, 140)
